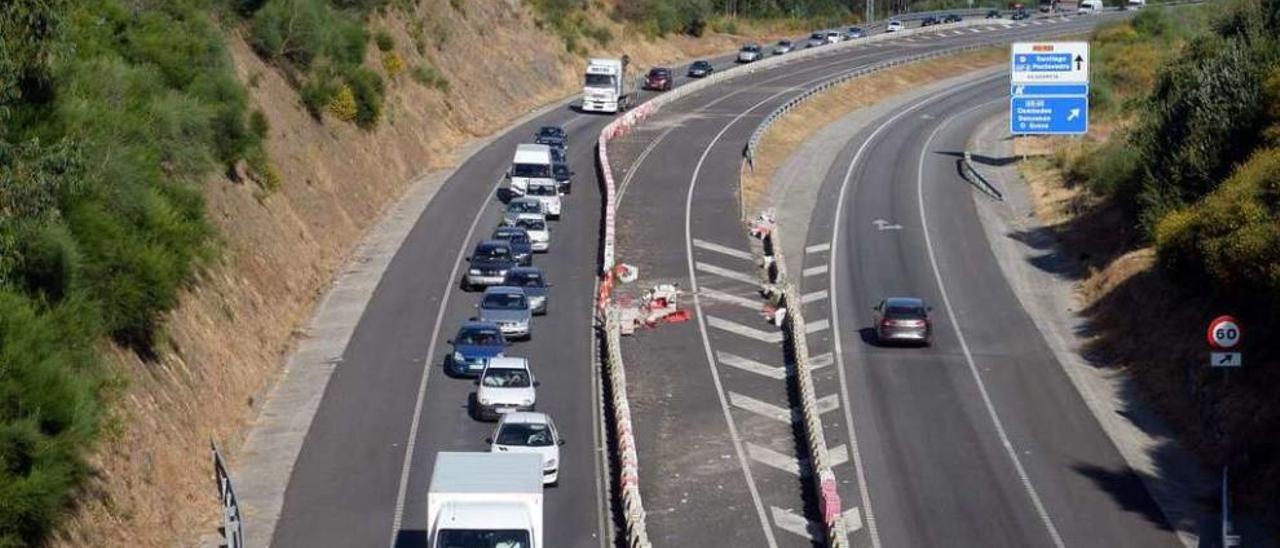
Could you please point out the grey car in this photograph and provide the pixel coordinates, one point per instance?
(509, 308)
(535, 285)
(903, 319)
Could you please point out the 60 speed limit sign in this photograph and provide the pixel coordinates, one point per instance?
(1224, 332)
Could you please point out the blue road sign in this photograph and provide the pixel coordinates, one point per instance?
(1049, 115)
(1049, 90)
(1044, 62)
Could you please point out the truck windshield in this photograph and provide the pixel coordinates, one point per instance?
(530, 170)
(482, 538)
(600, 80)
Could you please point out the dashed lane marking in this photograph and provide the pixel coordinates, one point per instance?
(732, 299)
(796, 524)
(746, 331)
(820, 295)
(817, 248)
(774, 459)
(815, 270)
(751, 366)
(762, 408)
(712, 246)
(726, 273)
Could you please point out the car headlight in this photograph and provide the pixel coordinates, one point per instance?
(502, 272)
(458, 357)
(551, 462)
(485, 401)
(527, 401)
(474, 272)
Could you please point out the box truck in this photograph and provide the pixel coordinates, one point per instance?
(606, 87)
(485, 500)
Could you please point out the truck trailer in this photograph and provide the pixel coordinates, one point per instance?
(606, 87)
(485, 500)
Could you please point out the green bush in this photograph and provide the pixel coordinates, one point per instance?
(384, 40)
(429, 76)
(300, 32)
(368, 89)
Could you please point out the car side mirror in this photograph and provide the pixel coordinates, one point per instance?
(928, 309)
(450, 341)
(468, 259)
(537, 383)
(476, 382)
(488, 441)
(561, 442)
(507, 174)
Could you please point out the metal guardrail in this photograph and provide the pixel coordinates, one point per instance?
(232, 525)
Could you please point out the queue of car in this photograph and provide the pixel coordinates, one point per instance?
(514, 290)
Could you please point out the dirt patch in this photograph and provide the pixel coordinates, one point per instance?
(228, 338)
(785, 136)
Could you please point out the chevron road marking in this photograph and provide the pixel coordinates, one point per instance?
(852, 520)
(711, 246)
(816, 326)
(838, 455)
(764, 409)
(975, 30)
(794, 523)
(828, 403)
(751, 366)
(769, 457)
(821, 360)
(814, 296)
(749, 332)
(815, 270)
(817, 248)
(732, 299)
(726, 273)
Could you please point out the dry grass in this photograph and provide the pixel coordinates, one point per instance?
(782, 140)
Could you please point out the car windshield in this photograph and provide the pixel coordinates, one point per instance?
(482, 538)
(525, 206)
(905, 311)
(526, 435)
(531, 170)
(542, 190)
(550, 131)
(658, 73)
(751, 48)
(485, 337)
(561, 172)
(506, 378)
(503, 301)
(818, 36)
(493, 251)
(532, 224)
(525, 279)
(784, 43)
(599, 81)
(701, 64)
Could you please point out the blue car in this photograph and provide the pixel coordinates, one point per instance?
(553, 136)
(475, 343)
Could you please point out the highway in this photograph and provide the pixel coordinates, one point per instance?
(362, 476)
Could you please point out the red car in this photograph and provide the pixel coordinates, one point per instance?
(659, 79)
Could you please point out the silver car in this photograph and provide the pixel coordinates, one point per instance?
(783, 47)
(522, 206)
(509, 308)
(903, 319)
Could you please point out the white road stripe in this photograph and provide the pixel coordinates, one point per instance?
(821, 360)
(838, 455)
(816, 327)
(852, 520)
(726, 273)
(732, 299)
(814, 296)
(766, 456)
(1007, 26)
(751, 366)
(1037, 22)
(794, 523)
(712, 246)
(828, 403)
(817, 248)
(956, 33)
(762, 408)
(746, 331)
(975, 30)
(815, 270)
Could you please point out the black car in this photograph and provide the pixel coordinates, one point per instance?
(553, 136)
(521, 244)
(490, 262)
(560, 170)
(929, 21)
(701, 69)
(993, 14)
(952, 18)
(535, 285)
(1020, 15)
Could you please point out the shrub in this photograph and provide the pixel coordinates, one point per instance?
(368, 90)
(393, 63)
(384, 40)
(343, 104)
(258, 124)
(427, 75)
(300, 32)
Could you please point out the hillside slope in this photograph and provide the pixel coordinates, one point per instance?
(282, 243)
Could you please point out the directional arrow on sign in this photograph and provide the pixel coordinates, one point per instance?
(1075, 113)
(1079, 61)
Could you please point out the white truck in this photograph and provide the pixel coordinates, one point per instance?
(606, 87)
(531, 164)
(485, 500)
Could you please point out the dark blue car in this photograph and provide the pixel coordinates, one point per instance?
(475, 343)
(521, 245)
(552, 136)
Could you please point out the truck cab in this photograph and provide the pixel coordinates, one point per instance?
(532, 163)
(485, 500)
(605, 86)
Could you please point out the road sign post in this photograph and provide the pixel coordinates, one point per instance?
(1225, 333)
(1049, 88)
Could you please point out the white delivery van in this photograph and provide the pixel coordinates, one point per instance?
(485, 499)
(531, 163)
(605, 88)
(1089, 6)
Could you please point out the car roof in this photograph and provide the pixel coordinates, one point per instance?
(526, 270)
(532, 153)
(504, 229)
(508, 362)
(530, 216)
(503, 290)
(525, 417)
(478, 325)
(493, 243)
(904, 301)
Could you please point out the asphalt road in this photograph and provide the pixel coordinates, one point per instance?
(722, 463)
(979, 439)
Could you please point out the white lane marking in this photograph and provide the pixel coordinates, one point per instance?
(733, 299)
(956, 33)
(835, 314)
(975, 30)
(407, 464)
(908, 39)
(762, 408)
(817, 248)
(816, 326)
(815, 270)
(796, 524)
(635, 166)
(1007, 26)
(1037, 22)
(813, 297)
(749, 365)
(838, 455)
(964, 345)
(852, 519)
(736, 328)
(774, 459)
(821, 360)
(712, 246)
(726, 273)
(828, 403)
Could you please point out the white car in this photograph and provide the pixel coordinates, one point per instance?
(816, 39)
(538, 228)
(893, 26)
(530, 432)
(506, 385)
(548, 194)
(750, 53)
(834, 37)
(524, 205)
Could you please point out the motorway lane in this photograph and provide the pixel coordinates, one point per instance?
(935, 451)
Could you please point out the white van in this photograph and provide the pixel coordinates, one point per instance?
(1089, 6)
(1136, 4)
(531, 163)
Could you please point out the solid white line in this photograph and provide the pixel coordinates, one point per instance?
(712, 246)
(815, 270)
(635, 166)
(968, 356)
(813, 297)
(752, 366)
(407, 464)
(835, 315)
(726, 273)
(746, 331)
(816, 326)
(773, 459)
(762, 408)
(733, 299)
(817, 248)
(794, 523)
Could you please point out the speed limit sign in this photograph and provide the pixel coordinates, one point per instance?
(1224, 332)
